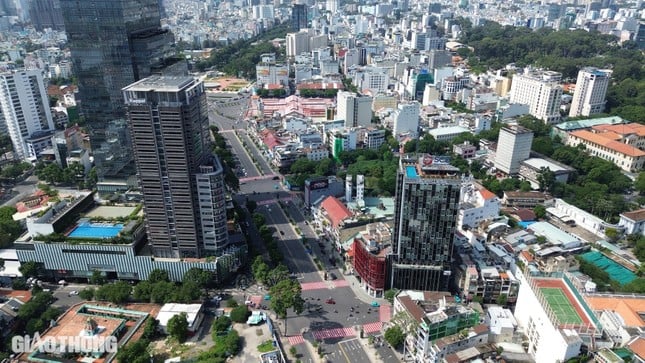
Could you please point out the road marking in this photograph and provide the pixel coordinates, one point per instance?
(372, 327)
(308, 286)
(344, 353)
(334, 333)
(296, 339)
(385, 312)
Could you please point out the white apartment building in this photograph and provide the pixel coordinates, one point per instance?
(372, 138)
(352, 58)
(548, 339)
(263, 12)
(591, 89)
(356, 110)
(25, 113)
(540, 90)
(477, 204)
(633, 222)
(513, 147)
(297, 43)
(447, 133)
(406, 119)
(341, 139)
(372, 79)
(270, 73)
(316, 153)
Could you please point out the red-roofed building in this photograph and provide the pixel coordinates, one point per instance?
(607, 144)
(331, 215)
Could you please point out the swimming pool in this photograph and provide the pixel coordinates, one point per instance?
(96, 230)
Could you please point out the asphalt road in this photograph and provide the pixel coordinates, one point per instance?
(338, 322)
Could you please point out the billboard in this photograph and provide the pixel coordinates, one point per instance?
(318, 184)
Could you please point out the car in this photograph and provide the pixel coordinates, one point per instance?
(73, 293)
(62, 282)
(275, 178)
(267, 297)
(375, 304)
(332, 276)
(282, 233)
(330, 301)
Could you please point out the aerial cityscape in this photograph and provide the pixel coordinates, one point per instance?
(322, 181)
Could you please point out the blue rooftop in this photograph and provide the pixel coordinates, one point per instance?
(411, 172)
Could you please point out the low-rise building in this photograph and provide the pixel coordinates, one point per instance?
(465, 150)
(610, 146)
(429, 316)
(330, 216)
(530, 169)
(477, 204)
(194, 315)
(633, 222)
(447, 133)
(524, 199)
(318, 188)
(502, 324)
(467, 338)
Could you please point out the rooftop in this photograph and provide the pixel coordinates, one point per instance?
(602, 140)
(582, 124)
(636, 216)
(552, 233)
(628, 307)
(336, 210)
(539, 163)
(160, 84)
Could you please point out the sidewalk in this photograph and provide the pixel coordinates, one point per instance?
(360, 293)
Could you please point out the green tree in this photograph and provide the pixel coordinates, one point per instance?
(277, 274)
(260, 269)
(284, 295)
(87, 294)
(97, 278)
(251, 205)
(116, 292)
(546, 179)
(390, 294)
(502, 299)
(157, 275)
(612, 234)
(178, 327)
(325, 167)
(394, 336)
(540, 211)
(200, 277)
(222, 323)
(136, 352)
(639, 183)
(30, 269)
(240, 313)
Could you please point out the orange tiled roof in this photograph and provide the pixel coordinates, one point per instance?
(487, 194)
(637, 215)
(599, 139)
(627, 307)
(336, 210)
(638, 347)
(622, 129)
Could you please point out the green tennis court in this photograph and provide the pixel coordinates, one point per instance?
(561, 305)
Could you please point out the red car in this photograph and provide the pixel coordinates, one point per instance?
(330, 301)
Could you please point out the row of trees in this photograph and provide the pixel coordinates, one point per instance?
(9, 229)
(73, 174)
(226, 157)
(266, 233)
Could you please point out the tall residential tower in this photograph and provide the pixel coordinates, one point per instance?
(541, 91)
(113, 43)
(591, 89)
(426, 207)
(182, 181)
(24, 112)
(513, 147)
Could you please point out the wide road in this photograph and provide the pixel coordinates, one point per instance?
(331, 323)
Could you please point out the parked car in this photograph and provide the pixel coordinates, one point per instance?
(330, 301)
(332, 276)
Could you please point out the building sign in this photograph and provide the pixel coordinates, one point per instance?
(321, 184)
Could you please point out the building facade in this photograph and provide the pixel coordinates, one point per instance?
(298, 17)
(513, 147)
(113, 43)
(426, 207)
(24, 111)
(354, 109)
(591, 89)
(181, 180)
(540, 90)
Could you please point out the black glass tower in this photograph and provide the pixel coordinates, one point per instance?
(298, 17)
(113, 43)
(426, 207)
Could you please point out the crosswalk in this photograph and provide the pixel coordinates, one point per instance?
(307, 286)
(370, 328)
(268, 176)
(340, 283)
(334, 333)
(385, 313)
(295, 339)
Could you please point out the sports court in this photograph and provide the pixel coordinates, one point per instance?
(561, 306)
(568, 310)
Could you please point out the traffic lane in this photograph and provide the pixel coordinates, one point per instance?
(257, 154)
(353, 351)
(300, 264)
(385, 352)
(242, 155)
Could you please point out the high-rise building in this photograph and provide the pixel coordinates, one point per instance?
(297, 43)
(298, 17)
(541, 91)
(354, 109)
(25, 113)
(513, 147)
(181, 180)
(426, 207)
(591, 89)
(113, 43)
(46, 14)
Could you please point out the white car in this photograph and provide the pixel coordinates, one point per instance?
(73, 293)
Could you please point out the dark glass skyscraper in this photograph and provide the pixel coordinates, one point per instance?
(427, 202)
(181, 180)
(298, 17)
(113, 44)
